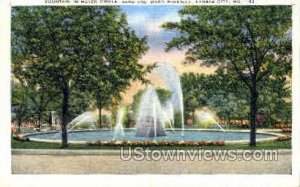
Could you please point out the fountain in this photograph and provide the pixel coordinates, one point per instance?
(171, 77)
(152, 118)
(169, 110)
(207, 119)
(119, 131)
(150, 122)
(86, 120)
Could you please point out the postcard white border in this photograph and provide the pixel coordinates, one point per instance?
(9, 179)
(149, 2)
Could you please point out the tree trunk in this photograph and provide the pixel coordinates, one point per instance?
(19, 126)
(39, 121)
(270, 118)
(193, 116)
(64, 123)
(40, 112)
(253, 111)
(100, 115)
(99, 106)
(50, 120)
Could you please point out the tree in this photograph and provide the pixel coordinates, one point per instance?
(227, 97)
(251, 42)
(194, 88)
(275, 101)
(114, 63)
(20, 104)
(44, 40)
(40, 98)
(74, 47)
(163, 96)
(80, 102)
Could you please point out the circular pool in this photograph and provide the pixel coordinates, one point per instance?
(129, 135)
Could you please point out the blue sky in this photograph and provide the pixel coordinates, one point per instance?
(146, 20)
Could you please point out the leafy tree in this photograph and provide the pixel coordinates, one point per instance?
(30, 102)
(40, 98)
(44, 38)
(115, 53)
(163, 96)
(275, 101)
(80, 102)
(20, 104)
(194, 88)
(253, 43)
(227, 97)
(60, 46)
(228, 106)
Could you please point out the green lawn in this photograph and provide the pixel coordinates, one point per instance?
(36, 145)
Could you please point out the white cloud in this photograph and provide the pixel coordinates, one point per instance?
(151, 24)
(137, 18)
(156, 26)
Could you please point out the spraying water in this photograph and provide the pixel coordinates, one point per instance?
(119, 131)
(208, 118)
(150, 120)
(87, 119)
(172, 80)
(169, 110)
(167, 120)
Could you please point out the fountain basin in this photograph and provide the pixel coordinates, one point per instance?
(193, 135)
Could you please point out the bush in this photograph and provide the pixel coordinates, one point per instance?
(177, 119)
(284, 138)
(106, 120)
(206, 123)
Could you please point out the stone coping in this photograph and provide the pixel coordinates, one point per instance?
(272, 132)
(79, 152)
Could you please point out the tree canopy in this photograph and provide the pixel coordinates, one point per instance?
(251, 43)
(91, 49)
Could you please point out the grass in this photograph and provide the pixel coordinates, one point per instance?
(15, 144)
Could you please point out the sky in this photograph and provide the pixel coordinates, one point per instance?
(147, 21)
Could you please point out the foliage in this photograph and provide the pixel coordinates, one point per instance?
(163, 96)
(195, 89)
(79, 103)
(177, 119)
(20, 104)
(275, 101)
(84, 48)
(251, 44)
(114, 54)
(228, 98)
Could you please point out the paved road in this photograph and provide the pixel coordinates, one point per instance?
(70, 163)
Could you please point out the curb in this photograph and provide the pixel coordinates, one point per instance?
(111, 152)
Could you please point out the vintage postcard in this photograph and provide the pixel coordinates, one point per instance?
(192, 91)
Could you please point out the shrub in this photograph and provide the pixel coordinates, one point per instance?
(284, 138)
(177, 119)
(286, 129)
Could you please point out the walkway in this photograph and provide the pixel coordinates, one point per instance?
(109, 162)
